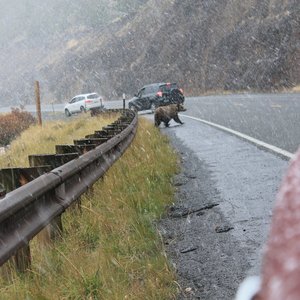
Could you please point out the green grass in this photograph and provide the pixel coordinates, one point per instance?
(111, 249)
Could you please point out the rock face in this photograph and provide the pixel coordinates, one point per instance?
(203, 45)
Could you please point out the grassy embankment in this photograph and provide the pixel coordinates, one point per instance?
(110, 250)
(296, 89)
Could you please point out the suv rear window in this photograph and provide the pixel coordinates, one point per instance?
(168, 87)
(151, 89)
(92, 96)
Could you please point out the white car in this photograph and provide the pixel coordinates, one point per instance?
(83, 103)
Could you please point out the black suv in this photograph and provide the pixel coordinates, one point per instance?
(156, 94)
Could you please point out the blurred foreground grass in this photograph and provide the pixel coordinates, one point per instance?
(111, 248)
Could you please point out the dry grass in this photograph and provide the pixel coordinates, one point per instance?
(42, 140)
(111, 249)
(296, 89)
(13, 123)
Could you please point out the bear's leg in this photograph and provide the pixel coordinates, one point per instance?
(177, 120)
(166, 121)
(156, 120)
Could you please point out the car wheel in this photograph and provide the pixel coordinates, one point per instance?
(82, 109)
(132, 107)
(67, 113)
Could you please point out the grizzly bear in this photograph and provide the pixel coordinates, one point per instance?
(166, 113)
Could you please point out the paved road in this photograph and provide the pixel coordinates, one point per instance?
(218, 226)
(272, 118)
(216, 230)
(213, 248)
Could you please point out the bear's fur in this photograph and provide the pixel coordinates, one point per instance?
(166, 113)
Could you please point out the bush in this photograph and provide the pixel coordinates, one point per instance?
(12, 124)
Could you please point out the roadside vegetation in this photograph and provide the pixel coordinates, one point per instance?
(296, 89)
(110, 248)
(42, 140)
(13, 123)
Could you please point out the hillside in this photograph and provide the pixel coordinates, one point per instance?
(204, 45)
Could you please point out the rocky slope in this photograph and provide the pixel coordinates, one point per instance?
(204, 45)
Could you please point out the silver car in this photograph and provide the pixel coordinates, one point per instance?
(83, 103)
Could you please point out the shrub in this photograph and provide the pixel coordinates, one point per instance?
(13, 123)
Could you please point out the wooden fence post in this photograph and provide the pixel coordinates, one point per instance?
(38, 102)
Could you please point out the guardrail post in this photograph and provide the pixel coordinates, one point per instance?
(112, 130)
(2, 191)
(54, 230)
(81, 149)
(90, 141)
(100, 137)
(20, 262)
(52, 160)
(22, 259)
(11, 179)
(102, 133)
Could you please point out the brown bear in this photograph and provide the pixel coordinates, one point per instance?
(166, 113)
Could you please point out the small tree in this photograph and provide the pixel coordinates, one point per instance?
(12, 124)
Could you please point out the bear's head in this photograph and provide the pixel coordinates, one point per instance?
(180, 107)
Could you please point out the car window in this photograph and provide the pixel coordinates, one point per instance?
(154, 88)
(79, 99)
(148, 90)
(141, 92)
(92, 96)
(168, 87)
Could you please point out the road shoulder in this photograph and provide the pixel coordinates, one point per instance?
(213, 235)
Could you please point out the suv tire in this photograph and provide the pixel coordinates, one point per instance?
(67, 113)
(132, 107)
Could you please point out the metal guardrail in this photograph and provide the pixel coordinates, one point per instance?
(25, 211)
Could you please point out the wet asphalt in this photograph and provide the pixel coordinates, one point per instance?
(272, 118)
(216, 230)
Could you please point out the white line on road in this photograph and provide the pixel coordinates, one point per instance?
(248, 138)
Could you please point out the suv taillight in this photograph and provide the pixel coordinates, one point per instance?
(159, 94)
(88, 101)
